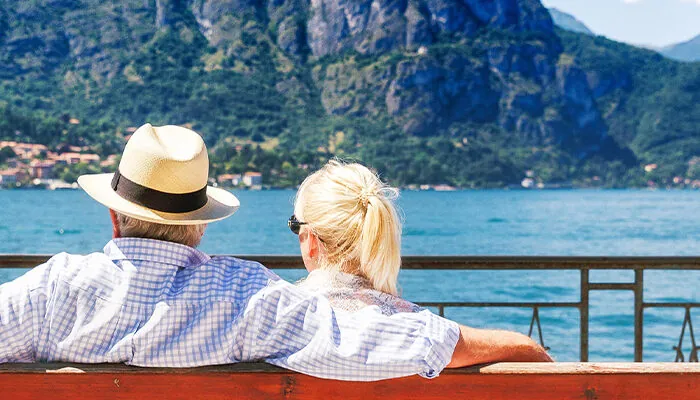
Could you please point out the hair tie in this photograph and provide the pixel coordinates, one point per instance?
(364, 196)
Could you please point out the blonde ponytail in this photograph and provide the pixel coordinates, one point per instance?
(353, 213)
(380, 243)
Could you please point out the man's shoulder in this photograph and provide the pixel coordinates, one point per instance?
(67, 265)
(68, 268)
(245, 266)
(66, 260)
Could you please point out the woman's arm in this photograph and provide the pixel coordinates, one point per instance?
(480, 346)
(299, 330)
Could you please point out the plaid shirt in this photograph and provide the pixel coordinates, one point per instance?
(160, 304)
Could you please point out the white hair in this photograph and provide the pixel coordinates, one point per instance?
(189, 235)
(353, 214)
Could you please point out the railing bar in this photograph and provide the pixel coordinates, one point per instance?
(612, 286)
(693, 350)
(638, 315)
(671, 305)
(456, 262)
(679, 348)
(543, 305)
(503, 304)
(523, 263)
(532, 321)
(539, 329)
(583, 323)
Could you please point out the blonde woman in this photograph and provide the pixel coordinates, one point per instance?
(350, 239)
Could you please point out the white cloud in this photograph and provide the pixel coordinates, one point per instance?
(691, 1)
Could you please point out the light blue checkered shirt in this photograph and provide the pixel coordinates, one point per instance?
(159, 304)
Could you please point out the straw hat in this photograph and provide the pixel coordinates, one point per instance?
(162, 178)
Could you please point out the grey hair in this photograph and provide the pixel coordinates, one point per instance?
(189, 235)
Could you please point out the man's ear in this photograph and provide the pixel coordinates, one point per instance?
(116, 232)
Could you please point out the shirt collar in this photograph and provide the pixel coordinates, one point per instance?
(155, 251)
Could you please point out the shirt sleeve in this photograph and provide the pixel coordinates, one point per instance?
(22, 305)
(298, 330)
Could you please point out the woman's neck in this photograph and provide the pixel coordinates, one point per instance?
(348, 267)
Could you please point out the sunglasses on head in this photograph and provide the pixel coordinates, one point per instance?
(294, 224)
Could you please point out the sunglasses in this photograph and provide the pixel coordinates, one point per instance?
(294, 224)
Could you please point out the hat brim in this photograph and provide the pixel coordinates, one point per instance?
(220, 203)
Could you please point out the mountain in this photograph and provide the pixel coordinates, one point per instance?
(686, 51)
(467, 92)
(568, 22)
(651, 104)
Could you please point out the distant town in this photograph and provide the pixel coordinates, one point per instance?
(32, 165)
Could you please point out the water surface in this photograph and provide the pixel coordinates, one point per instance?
(564, 223)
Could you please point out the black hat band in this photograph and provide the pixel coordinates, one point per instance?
(157, 200)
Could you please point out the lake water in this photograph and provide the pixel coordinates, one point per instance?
(576, 222)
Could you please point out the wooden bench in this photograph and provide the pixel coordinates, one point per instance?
(261, 381)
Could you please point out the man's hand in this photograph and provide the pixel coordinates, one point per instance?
(480, 346)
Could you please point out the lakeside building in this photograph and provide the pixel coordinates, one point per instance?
(42, 169)
(32, 151)
(252, 179)
(110, 161)
(25, 151)
(229, 179)
(444, 188)
(11, 176)
(76, 158)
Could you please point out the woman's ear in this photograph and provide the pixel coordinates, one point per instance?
(313, 244)
(310, 249)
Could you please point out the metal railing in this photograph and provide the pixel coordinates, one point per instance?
(582, 264)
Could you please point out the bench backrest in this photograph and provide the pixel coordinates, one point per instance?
(261, 381)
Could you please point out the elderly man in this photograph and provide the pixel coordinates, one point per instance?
(151, 299)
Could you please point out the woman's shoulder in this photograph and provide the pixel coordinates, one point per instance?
(352, 293)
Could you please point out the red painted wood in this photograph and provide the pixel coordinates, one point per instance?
(633, 382)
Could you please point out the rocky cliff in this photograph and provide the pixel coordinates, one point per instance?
(426, 62)
(429, 68)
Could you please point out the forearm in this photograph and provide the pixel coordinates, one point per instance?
(480, 346)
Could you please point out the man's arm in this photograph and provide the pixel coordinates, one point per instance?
(480, 346)
(21, 314)
(298, 330)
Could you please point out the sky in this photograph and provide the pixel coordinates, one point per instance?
(654, 23)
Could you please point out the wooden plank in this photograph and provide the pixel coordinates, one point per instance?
(287, 385)
(52, 368)
(579, 368)
(562, 368)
